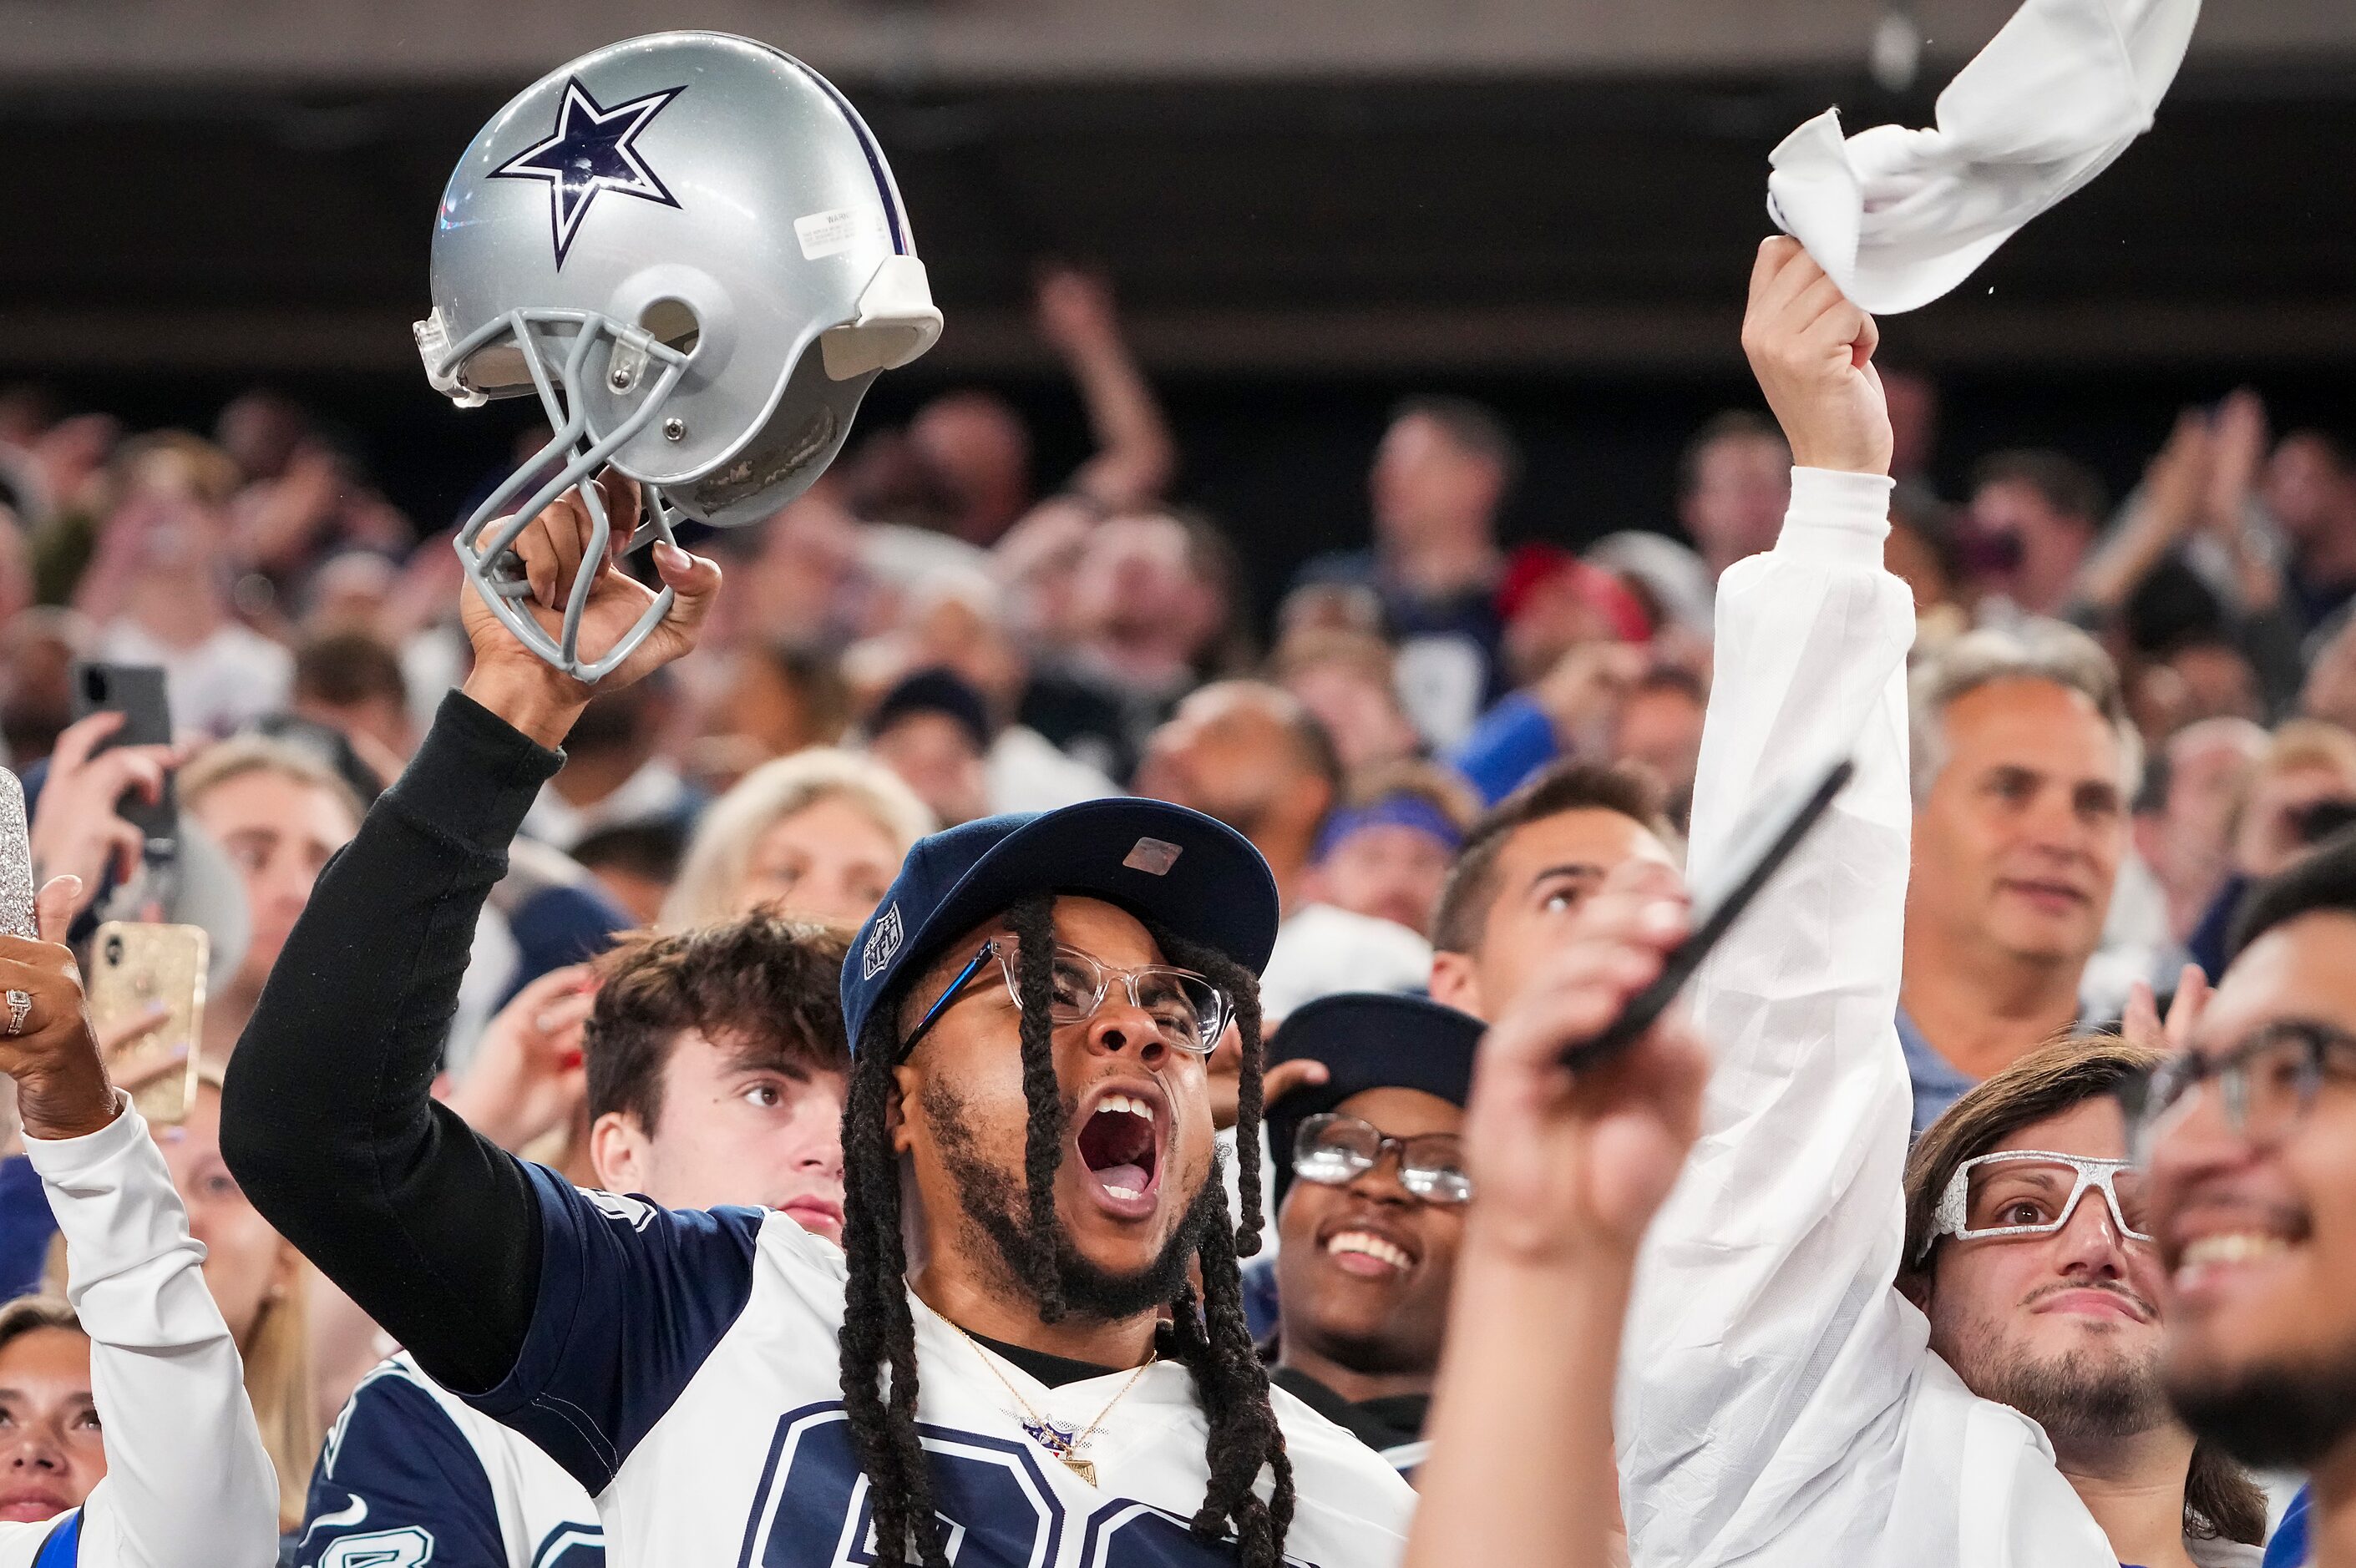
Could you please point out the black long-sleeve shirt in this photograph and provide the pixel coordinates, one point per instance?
(327, 1117)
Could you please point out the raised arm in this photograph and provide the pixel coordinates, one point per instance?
(188, 1483)
(1135, 457)
(1766, 1350)
(327, 1117)
(1566, 1173)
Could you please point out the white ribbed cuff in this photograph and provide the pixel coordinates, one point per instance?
(60, 1161)
(1838, 514)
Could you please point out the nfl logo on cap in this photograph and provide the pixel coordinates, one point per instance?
(882, 943)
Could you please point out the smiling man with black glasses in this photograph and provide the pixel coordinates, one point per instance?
(2250, 1137)
(1371, 1190)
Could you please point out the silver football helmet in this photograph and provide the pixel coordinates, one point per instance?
(689, 247)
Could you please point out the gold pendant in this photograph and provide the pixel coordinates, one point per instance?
(1080, 1467)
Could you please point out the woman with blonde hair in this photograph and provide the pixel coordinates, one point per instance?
(818, 835)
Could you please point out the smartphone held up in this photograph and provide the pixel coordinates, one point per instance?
(16, 887)
(141, 971)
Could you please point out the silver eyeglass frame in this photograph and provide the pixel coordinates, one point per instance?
(1953, 1217)
(1004, 953)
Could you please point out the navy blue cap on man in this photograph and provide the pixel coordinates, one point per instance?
(1368, 1041)
(1189, 873)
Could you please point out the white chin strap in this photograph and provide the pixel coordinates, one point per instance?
(897, 321)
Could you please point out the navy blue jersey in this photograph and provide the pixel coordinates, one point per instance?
(412, 1477)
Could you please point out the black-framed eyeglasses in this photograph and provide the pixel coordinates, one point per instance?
(2265, 1085)
(1189, 1012)
(1335, 1150)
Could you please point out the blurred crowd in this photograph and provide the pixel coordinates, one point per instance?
(2128, 709)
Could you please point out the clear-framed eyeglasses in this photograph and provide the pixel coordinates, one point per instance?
(1334, 1149)
(2032, 1192)
(2265, 1085)
(1189, 1012)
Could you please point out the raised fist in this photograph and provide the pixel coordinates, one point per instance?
(519, 686)
(1813, 353)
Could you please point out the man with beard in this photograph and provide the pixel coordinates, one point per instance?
(2252, 1142)
(2043, 1292)
(1029, 1166)
(1782, 1402)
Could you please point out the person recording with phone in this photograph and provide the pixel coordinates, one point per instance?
(83, 832)
(187, 1481)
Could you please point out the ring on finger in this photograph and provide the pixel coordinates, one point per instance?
(20, 1007)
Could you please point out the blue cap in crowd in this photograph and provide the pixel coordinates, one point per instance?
(935, 691)
(1367, 1040)
(1191, 874)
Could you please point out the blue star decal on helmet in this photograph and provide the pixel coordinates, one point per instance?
(594, 149)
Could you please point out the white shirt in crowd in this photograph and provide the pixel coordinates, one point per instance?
(1779, 1400)
(1024, 771)
(187, 1484)
(1321, 948)
(656, 790)
(220, 685)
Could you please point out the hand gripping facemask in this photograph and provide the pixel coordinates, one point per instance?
(689, 249)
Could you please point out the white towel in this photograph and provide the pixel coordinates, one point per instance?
(1899, 216)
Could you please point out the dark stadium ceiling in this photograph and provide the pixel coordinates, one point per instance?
(1511, 223)
(971, 43)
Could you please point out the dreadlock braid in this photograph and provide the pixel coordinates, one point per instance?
(1215, 1341)
(1232, 1386)
(1242, 988)
(1032, 921)
(878, 1332)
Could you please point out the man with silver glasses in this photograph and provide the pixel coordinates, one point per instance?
(2251, 1141)
(2028, 1248)
(1370, 1192)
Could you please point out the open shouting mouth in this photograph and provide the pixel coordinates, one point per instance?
(1118, 1136)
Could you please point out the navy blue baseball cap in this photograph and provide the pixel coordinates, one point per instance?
(1191, 874)
(1367, 1040)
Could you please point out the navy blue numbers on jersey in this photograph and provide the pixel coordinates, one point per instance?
(571, 1546)
(996, 1507)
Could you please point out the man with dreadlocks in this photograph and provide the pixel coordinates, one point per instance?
(1008, 1363)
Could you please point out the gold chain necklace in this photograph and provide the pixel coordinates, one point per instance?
(1055, 1438)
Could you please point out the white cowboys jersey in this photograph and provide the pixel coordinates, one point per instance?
(683, 1367)
(412, 1477)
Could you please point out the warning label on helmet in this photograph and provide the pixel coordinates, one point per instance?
(832, 233)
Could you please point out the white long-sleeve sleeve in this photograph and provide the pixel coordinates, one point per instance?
(1778, 1401)
(188, 1483)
